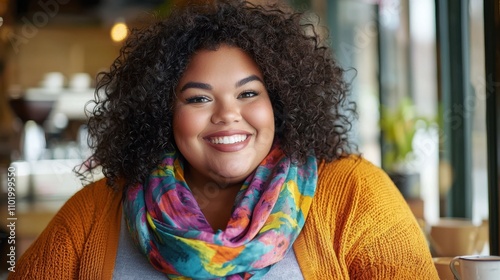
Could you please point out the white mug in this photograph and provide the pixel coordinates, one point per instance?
(476, 267)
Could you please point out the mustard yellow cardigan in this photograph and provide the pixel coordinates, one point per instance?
(359, 227)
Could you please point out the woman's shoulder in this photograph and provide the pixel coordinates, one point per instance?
(96, 196)
(356, 186)
(98, 191)
(355, 177)
(351, 167)
(93, 205)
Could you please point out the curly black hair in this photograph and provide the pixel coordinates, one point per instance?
(130, 126)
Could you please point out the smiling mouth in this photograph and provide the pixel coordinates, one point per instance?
(225, 140)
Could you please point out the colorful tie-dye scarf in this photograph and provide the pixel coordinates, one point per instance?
(268, 214)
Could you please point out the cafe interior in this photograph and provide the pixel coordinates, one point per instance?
(425, 75)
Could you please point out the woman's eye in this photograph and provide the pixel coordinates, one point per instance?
(197, 99)
(248, 94)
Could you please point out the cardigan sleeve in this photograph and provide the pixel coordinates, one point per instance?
(360, 227)
(56, 252)
(385, 240)
(62, 248)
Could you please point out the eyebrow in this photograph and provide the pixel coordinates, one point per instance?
(196, 85)
(247, 80)
(205, 86)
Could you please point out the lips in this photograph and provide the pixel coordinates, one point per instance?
(228, 141)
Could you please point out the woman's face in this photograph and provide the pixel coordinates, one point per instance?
(223, 119)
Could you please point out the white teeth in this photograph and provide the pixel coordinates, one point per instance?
(228, 139)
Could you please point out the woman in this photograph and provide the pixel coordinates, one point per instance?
(222, 135)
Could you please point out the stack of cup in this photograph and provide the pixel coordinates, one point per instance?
(452, 238)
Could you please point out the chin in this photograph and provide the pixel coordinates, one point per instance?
(235, 175)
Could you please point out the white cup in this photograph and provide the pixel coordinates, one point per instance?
(53, 81)
(476, 267)
(80, 81)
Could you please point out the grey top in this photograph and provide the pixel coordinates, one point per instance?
(131, 264)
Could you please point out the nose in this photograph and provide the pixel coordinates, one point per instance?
(226, 112)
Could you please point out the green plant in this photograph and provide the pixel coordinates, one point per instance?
(399, 127)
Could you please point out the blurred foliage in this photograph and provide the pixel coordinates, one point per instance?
(399, 127)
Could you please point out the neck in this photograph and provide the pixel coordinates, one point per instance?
(215, 199)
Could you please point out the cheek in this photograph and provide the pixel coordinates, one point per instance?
(262, 118)
(185, 125)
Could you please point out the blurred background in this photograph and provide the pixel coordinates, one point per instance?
(424, 79)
